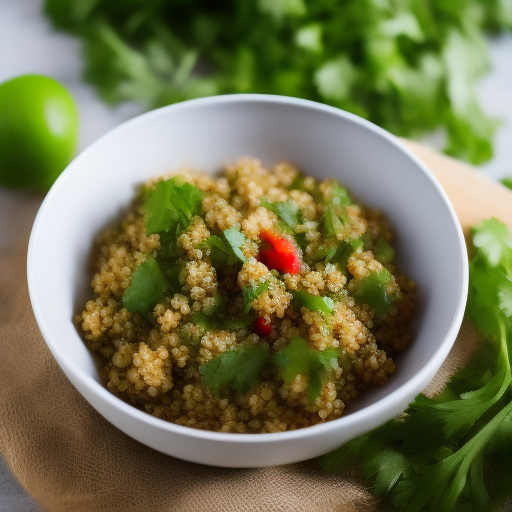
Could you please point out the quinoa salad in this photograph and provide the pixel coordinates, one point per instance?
(258, 301)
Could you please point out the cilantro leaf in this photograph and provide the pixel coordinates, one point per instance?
(490, 273)
(287, 211)
(371, 290)
(440, 485)
(221, 252)
(147, 287)
(293, 360)
(494, 242)
(169, 249)
(238, 370)
(252, 292)
(299, 359)
(302, 298)
(331, 222)
(484, 281)
(158, 215)
(171, 204)
(221, 315)
(225, 250)
(238, 321)
(340, 253)
(336, 195)
(339, 195)
(383, 252)
(320, 368)
(389, 467)
(236, 239)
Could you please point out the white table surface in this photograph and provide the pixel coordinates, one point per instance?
(29, 45)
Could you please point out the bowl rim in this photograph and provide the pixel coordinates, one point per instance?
(377, 409)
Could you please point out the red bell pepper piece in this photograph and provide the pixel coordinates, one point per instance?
(279, 253)
(262, 327)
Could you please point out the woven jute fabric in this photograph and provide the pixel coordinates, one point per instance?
(71, 460)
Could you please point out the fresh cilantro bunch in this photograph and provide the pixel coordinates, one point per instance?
(454, 452)
(408, 66)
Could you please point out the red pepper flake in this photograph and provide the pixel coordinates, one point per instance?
(262, 327)
(279, 253)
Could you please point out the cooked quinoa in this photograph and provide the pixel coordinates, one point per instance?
(260, 301)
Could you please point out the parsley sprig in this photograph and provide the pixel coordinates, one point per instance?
(454, 452)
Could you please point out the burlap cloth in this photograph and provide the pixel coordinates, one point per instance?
(70, 459)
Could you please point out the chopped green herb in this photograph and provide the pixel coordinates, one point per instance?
(158, 215)
(383, 252)
(453, 452)
(301, 240)
(238, 321)
(147, 287)
(337, 196)
(236, 239)
(288, 212)
(329, 255)
(293, 360)
(169, 248)
(300, 359)
(238, 370)
(363, 242)
(340, 254)
(252, 292)
(302, 298)
(322, 362)
(220, 315)
(221, 252)
(226, 250)
(174, 272)
(170, 205)
(371, 290)
(331, 222)
(204, 321)
(298, 184)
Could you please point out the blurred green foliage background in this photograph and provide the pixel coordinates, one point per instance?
(409, 66)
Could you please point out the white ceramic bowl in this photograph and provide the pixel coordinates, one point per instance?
(206, 134)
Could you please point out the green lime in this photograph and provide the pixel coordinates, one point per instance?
(38, 131)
